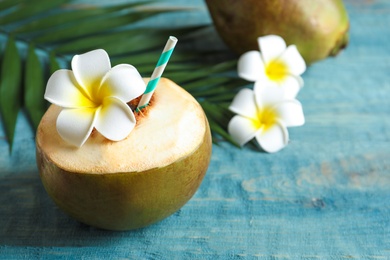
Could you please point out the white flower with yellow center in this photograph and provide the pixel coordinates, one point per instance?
(275, 65)
(264, 114)
(94, 95)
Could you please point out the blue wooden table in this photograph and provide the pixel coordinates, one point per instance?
(326, 195)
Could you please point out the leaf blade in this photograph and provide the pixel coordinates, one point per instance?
(64, 17)
(10, 89)
(53, 63)
(28, 9)
(34, 88)
(9, 3)
(94, 26)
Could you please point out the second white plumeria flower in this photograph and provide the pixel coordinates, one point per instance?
(275, 64)
(94, 95)
(264, 114)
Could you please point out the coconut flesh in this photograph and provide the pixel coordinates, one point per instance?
(134, 182)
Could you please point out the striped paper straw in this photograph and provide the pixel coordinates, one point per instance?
(157, 72)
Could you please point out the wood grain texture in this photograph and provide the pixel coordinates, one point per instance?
(327, 195)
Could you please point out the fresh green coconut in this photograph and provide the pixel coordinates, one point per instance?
(134, 182)
(319, 28)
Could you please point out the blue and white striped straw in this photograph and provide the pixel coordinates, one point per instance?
(157, 72)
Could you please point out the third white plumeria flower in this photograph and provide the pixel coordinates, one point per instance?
(94, 95)
(274, 64)
(264, 114)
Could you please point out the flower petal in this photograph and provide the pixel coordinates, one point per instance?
(291, 86)
(89, 69)
(299, 79)
(250, 66)
(242, 129)
(244, 104)
(271, 47)
(268, 93)
(75, 125)
(274, 138)
(62, 90)
(290, 113)
(115, 120)
(124, 82)
(294, 61)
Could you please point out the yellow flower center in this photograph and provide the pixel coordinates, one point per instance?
(276, 70)
(95, 99)
(84, 101)
(98, 99)
(266, 118)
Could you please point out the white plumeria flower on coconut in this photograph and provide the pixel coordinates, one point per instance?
(94, 95)
(276, 65)
(264, 114)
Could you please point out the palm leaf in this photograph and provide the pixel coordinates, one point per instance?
(53, 63)
(27, 9)
(34, 87)
(73, 16)
(9, 3)
(49, 32)
(10, 88)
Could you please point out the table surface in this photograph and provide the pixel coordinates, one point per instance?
(326, 195)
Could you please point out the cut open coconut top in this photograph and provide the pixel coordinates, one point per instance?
(173, 127)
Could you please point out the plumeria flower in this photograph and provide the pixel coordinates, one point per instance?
(94, 95)
(264, 114)
(276, 64)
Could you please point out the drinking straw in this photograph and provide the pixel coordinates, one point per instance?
(157, 72)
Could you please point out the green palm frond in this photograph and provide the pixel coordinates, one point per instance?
(38, 37)
(10, 87)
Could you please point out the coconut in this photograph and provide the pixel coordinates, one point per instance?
(134, 182)
(319, 28)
